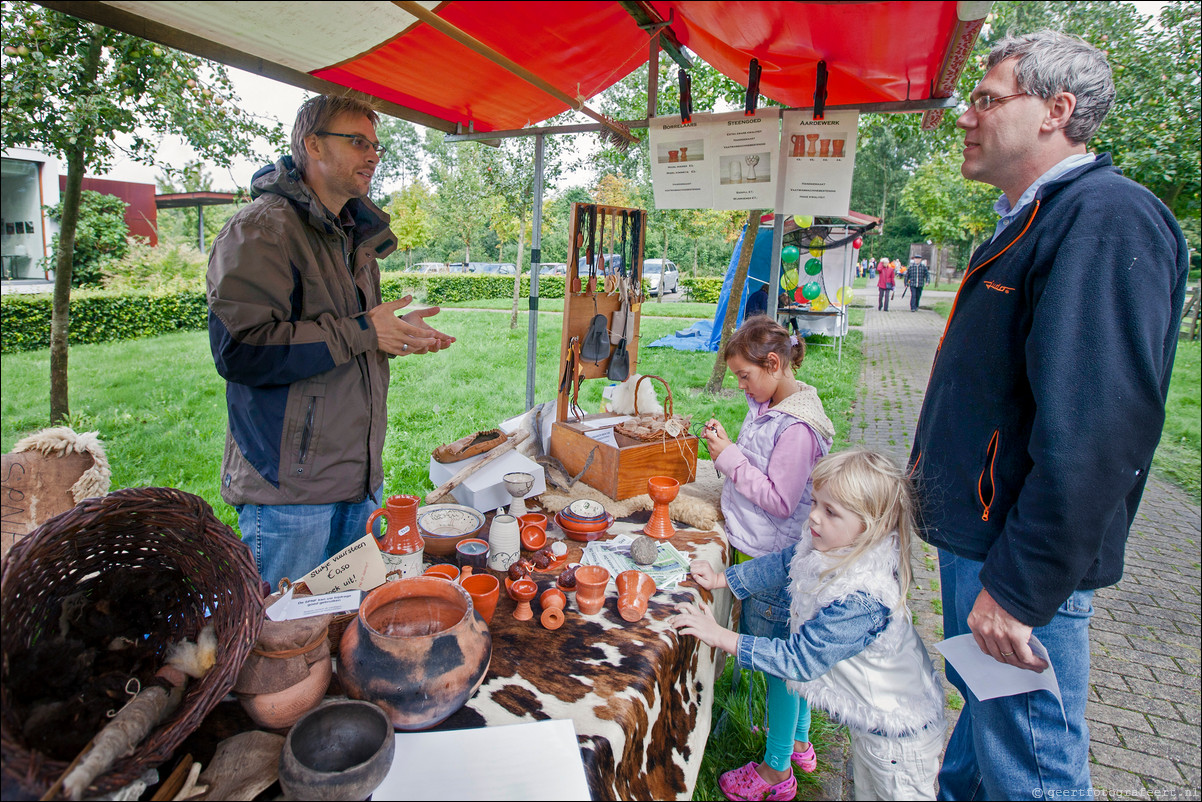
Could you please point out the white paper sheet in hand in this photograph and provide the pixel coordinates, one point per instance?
(989, 679)
(540, 760)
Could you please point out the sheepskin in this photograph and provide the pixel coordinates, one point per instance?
(698, 504)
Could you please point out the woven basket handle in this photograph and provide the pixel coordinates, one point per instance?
(667, 406)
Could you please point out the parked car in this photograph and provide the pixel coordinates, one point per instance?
(553, 269)
(661, 275)
(492, 268)
(430, 267)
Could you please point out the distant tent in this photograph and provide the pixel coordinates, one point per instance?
(758, 272)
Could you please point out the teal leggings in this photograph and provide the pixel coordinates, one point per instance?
(788, 716)
(788, 721)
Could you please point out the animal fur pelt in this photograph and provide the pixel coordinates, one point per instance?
(623, 402)
(698, 504)
(60, 441)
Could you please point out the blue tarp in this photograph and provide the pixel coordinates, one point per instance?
(694, 338)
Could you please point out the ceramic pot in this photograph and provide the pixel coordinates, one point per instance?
(402, 546)
(533, 538)
(417, 649)
(504, 542)
(635, 590)
(535, 518)
(484, 589)
(553, 601)
(523, 592)
(340, 750)
(663, 490)
(448, 572)
(590, 588)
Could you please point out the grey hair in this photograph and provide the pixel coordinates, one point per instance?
(1050, 62)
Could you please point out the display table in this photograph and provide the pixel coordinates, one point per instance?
(640, 696)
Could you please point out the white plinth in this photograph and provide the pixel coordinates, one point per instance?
(484, 489)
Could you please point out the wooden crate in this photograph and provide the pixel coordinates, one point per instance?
(622, 472)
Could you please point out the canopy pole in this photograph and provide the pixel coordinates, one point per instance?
(778, 223)
(536, 241)
(475, 45)
(653, 78)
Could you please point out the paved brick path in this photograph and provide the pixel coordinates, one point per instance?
(1145, 702)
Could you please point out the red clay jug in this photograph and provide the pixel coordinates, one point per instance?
(402, 546)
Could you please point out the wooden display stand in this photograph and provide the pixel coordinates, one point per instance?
(620, 472)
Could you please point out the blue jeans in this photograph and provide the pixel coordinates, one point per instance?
(1017, 747)
(290, 540)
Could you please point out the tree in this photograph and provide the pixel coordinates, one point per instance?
(100, 236)
(463, 202)
(179, 225)
(411, 220)
(401, 161)
(72, 88)
(950, 208)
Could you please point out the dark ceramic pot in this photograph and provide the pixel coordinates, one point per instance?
(340, 750)
(418, 649)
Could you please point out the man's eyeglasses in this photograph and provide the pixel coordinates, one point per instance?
(359, 143)
(984, 103)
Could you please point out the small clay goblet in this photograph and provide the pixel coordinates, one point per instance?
(554, 601)
(523, 592)
(663, 490)
(590, 588)
(634, 592)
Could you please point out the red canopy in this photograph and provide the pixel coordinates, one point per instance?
(875, 51)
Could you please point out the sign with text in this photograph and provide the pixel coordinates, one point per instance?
(822, 157)
(357, 567)
(717, 161)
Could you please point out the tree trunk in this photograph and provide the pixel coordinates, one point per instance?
(517, 278)
(60, 315)
(735, 298)
(663, 265)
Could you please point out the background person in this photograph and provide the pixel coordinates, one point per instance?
(1044, 406)
(916, 279)
(884, 285)
(299, 332)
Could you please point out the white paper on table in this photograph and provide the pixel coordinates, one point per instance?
(989, 679)
(278, 611)
(601, 423)
(539, 760)
(603, 436)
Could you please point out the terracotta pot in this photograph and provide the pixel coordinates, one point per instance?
(402, 546)
(635, 590)
(590, 588)
(662, 490)
(522, 592)
(280, 710)
(553, 601)
(533, 538)
(341, 750)
(484, 589)
(448, 572)
(535, 518)
(417, 649)
(584, 533)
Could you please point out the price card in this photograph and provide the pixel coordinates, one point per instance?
(359, 566)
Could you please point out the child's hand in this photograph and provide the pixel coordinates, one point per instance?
(706, 576)
(699, 622)
(715, 437)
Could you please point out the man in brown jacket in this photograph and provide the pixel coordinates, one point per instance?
(299, 331)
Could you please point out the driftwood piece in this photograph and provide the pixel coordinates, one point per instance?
(243, 766)
(438, 494)
(175, 782)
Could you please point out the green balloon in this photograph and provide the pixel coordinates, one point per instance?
(811, 291)
(813, 266)
(790, 254)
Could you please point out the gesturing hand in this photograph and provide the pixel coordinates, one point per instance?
(705, 575)
(409, 334)
(1002, 636)
(699, 622)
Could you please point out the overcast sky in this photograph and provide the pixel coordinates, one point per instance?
(279, 101)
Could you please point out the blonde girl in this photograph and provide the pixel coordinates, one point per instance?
(852, 649)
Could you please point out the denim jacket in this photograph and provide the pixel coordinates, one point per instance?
(839, 631)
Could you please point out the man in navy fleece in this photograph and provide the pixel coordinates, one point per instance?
(1044, 406)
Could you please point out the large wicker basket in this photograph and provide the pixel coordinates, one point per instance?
(145, 529)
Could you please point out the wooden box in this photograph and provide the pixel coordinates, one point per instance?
(622, 472)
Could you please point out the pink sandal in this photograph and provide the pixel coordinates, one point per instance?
(744, 784)
(807, 761)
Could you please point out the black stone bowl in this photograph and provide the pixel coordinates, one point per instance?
(341, 750)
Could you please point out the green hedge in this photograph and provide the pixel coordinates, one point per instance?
(442, 288)
(99, 316)
(705, 290)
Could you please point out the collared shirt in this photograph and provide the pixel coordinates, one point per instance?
(1009, 214)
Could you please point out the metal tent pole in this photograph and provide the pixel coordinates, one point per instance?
(536, 240)
(778, 226)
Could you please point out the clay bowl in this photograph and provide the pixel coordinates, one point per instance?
(340, 750)
(584, 533)
(533, 538)
(443, 526)
(585, 509)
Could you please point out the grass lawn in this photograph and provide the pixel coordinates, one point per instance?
(1178, 458)
(160, 409)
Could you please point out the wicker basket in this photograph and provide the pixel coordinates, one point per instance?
(649, 427)
(140, 528)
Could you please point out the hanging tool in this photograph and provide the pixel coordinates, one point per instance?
(592, 265)
(574, 282)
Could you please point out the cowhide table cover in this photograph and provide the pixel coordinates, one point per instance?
(640, 695)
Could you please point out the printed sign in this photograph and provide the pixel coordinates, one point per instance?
(822, 157)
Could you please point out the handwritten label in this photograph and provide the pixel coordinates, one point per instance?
(358, 566)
